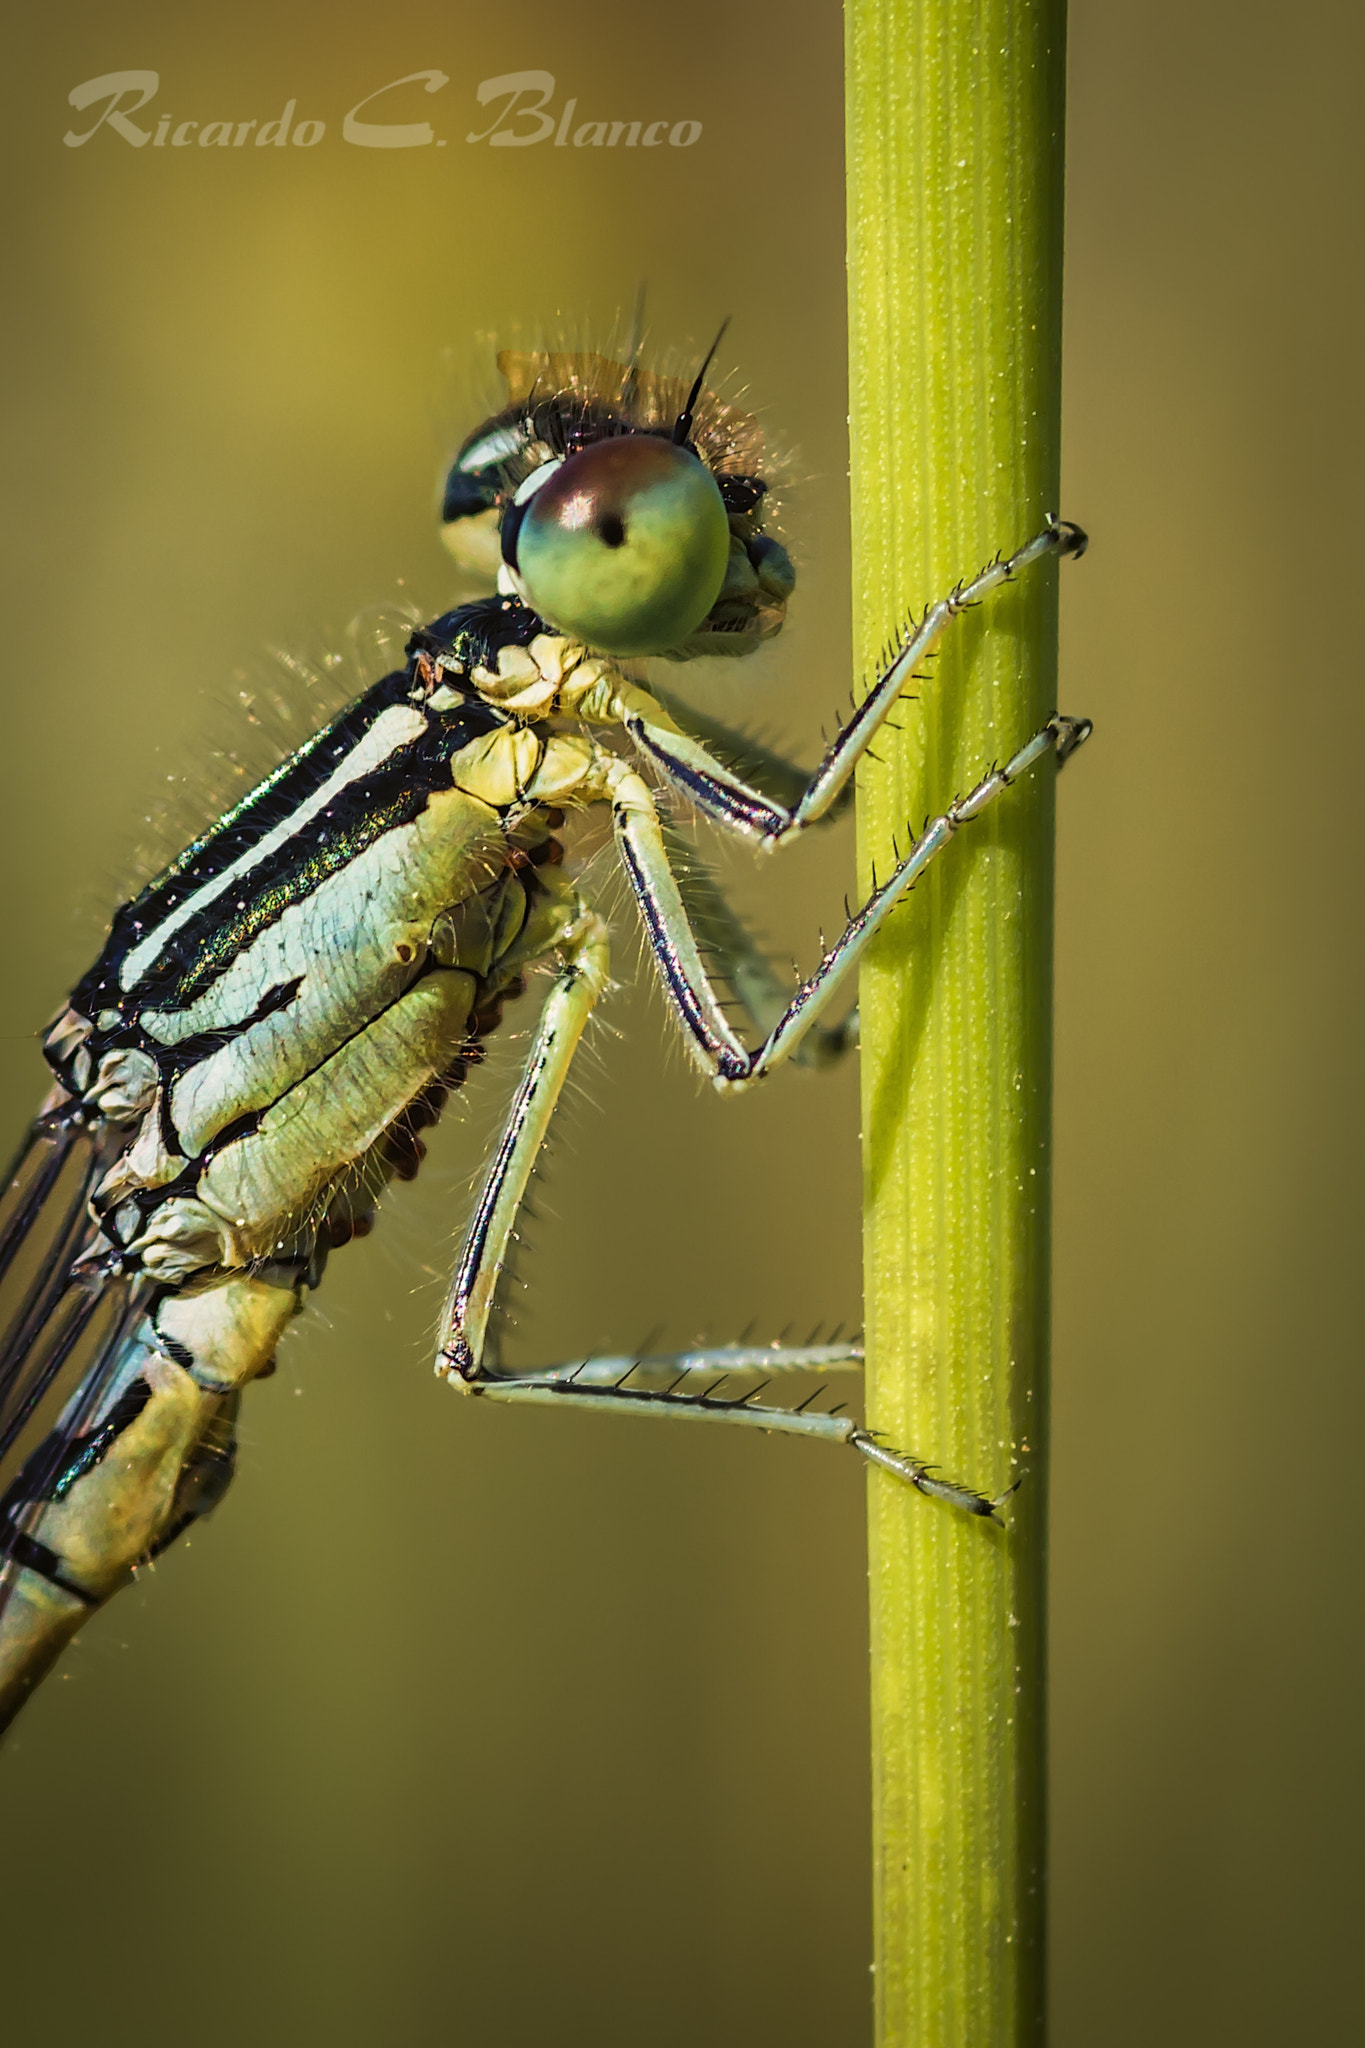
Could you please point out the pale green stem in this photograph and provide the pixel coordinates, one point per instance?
(955, 186)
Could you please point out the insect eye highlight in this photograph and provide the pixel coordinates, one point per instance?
(624, 546)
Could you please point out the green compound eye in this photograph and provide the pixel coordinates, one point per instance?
(625, 546)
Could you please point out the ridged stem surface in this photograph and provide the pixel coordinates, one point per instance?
(955, 114)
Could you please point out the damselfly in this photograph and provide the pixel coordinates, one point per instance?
(277, 1015)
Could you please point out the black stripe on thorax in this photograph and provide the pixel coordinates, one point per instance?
(360, 812)
(274, 798)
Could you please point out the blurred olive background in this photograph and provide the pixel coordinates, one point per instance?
(463, 1725)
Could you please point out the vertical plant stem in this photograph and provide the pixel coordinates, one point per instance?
(955, 188)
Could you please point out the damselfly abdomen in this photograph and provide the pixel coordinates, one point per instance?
(277, 1015)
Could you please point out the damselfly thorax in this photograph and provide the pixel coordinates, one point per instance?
(277, 1015)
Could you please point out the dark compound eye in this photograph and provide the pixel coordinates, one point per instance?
(625, 545)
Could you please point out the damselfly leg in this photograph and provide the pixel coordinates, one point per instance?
(675, 931)
(690, 991)
(732, 804)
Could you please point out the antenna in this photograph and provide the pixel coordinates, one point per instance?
(637, 325)
(682, 426)
(636, 342)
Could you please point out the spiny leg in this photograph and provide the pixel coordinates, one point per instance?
(693, 1379)
(604, 1384)
(732, 802)
(710, 1038)
(723, 938)
(581, 980)
(712, 1363)
(783, 780)
(760, 990)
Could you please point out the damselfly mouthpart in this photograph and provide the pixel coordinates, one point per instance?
(276, 1016)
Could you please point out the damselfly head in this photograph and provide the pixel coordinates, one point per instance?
(623, 506)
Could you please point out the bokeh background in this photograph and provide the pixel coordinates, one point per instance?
(460, 1725)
